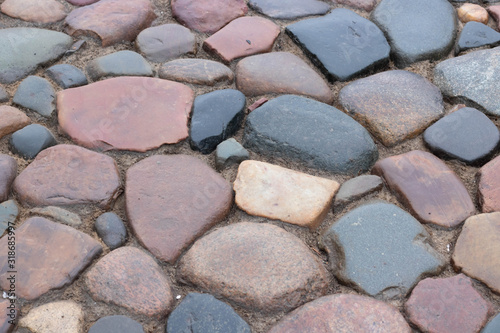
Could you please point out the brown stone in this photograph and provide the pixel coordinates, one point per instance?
(425, 185)
(196, 71)
(280, 73)
(495, 13)
(49, 256)
(274, 192)
(207, 15)
(172, 200)
(126, 113)
(367, 5)
(8, 172)
(62, 316)
(113, 21)
(130, 278)
(38, 11)
(489, 186)
(448, 305)
(243, 37)
(477, 251)
(256, 265)
(12, 120)
(343, 313)
(471, 12)
(7, 314)
(67, 175)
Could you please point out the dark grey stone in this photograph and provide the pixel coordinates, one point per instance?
(36, 94)
(380, 249)
(416, 32)
(121, 63)
(341, 44)
(31, 140)
(67, 76)
(493, 325)
(216, 116)
(4, 96)
(466, 134)
(8, 214)
(116, 324)
(230, 152)
(111, 229)
(311, 132)
(358, 187)
(289, 9)
(8, 172)
(475, 34)
(203, 313)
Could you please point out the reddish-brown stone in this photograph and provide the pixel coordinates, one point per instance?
(243, 37)
(113, 21)
(67, 175)
(172, 200)
(495, 13)
(425, 184)
(448, 305)
(489, 186)
(207, 15)
(256, 265)
(258, 103)
(367, 5)
(126, 113)
(7, 314)
(8, 171)
(49, 256)
(130, 278)
(38, 11)
(343, 313)
(12, 120)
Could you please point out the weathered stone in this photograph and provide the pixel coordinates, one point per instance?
(116, 324)
(274, 192)
(36, 94)
(130, 278)
(470, 12)
(310, 132)
(7, 316)
(8, 172)
(111, 229)
(121, 63)
(358, 187)
(289, 9)
(476, 34)
(67, 76)
(230, 152)
(367, 5)
(8, 215)
(61, 316)
(171, 200)
(493, 326)
(59, 215)
(431, 190)
(68, 175)
(12, 120)
(31, 140)
(489, 186)
(113, 21)
(38, 11)
(393, 105)
(196, 71)
(380, 249)
(49, 256)
(255, 265)
(280, 73)
(126, 113)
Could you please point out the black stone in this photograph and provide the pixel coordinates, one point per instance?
(289, 9)
(36, 94)
(31, 140)
(314, 133)
(466, 134)
(341, 44)
(67, 76)
(116, 324)
(216, 116)
(475, 34)
(204, 313)
(111, 229)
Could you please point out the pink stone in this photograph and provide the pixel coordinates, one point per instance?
(12, 119)
(489, 186)
(38, 11)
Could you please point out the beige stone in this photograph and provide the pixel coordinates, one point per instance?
(471, 12)
(277, 193)
(11, 120)
(61, 317)
(38, 11)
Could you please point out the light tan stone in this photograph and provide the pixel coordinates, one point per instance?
(471, 12)
(274, 192)
(11, 120)
(61, 317)
(39, 11)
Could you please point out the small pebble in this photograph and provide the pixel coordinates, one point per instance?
(230, 152)
(36, 94)
(111, 229)
(31, 140)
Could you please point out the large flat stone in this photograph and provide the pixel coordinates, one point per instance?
(62, 316)
(488, 179)
(196, 71)
(8, 172)
(289, 9)
(121, 63)
(38, 11)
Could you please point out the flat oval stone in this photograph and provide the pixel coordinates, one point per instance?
(111, 229)
(113, 21)
(414, 32)
(310, 132)
(431, 190)
(475, 34)
(255, 265)
(358, 187)
(358, 44)
(121, 63)
(66, 76)
(196, 71)
(59, 215)
(280, 73)
(343, 313)
(289, 9)
(62, 316)
(67, 175)
(12, 120)
(36, 94)
(488, 179)
(470, 12)
(394, 105)
(116, 324)
(38, 11)
(172, 200)
(8, 172)
(41, 264)
(31, 140)
(126, 113)
(130, 278)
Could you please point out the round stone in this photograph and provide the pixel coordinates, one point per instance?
(12, 120)
(121, 63)
(37, 94)
(31, 140)
(38, 11)
(111, 229)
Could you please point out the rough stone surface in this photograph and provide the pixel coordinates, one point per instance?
(40, 263)
(289, 9)
(31, 140)
(166, 42)
(432, 191)
(471, 12)
(307, 131)
(477, 251)
(121, 63)
(68, 175)
(204, 313)
(126, 113)
(367, 5)
(242, 37)
(171, 200)
(61, 316)
(476, 34)
(111, 229)
(37, 94)
(67, 76)
(447, 305)
(358, 44)
(230, 152)
(7, 315)
(274, 192)
(116, 324)
(266, 74)
(257, 266)
(59, 215)
(196, 71)
(400, 19)
(493, 325)
(12, 120)
(381, 250)
(8, 215)
(130, 278)
(216, 116)
(343, 313)
(8, 172)
(113, 21)
(489, 186)
(356, 188)
(207, 15)
(38, 11)
(393, 105)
